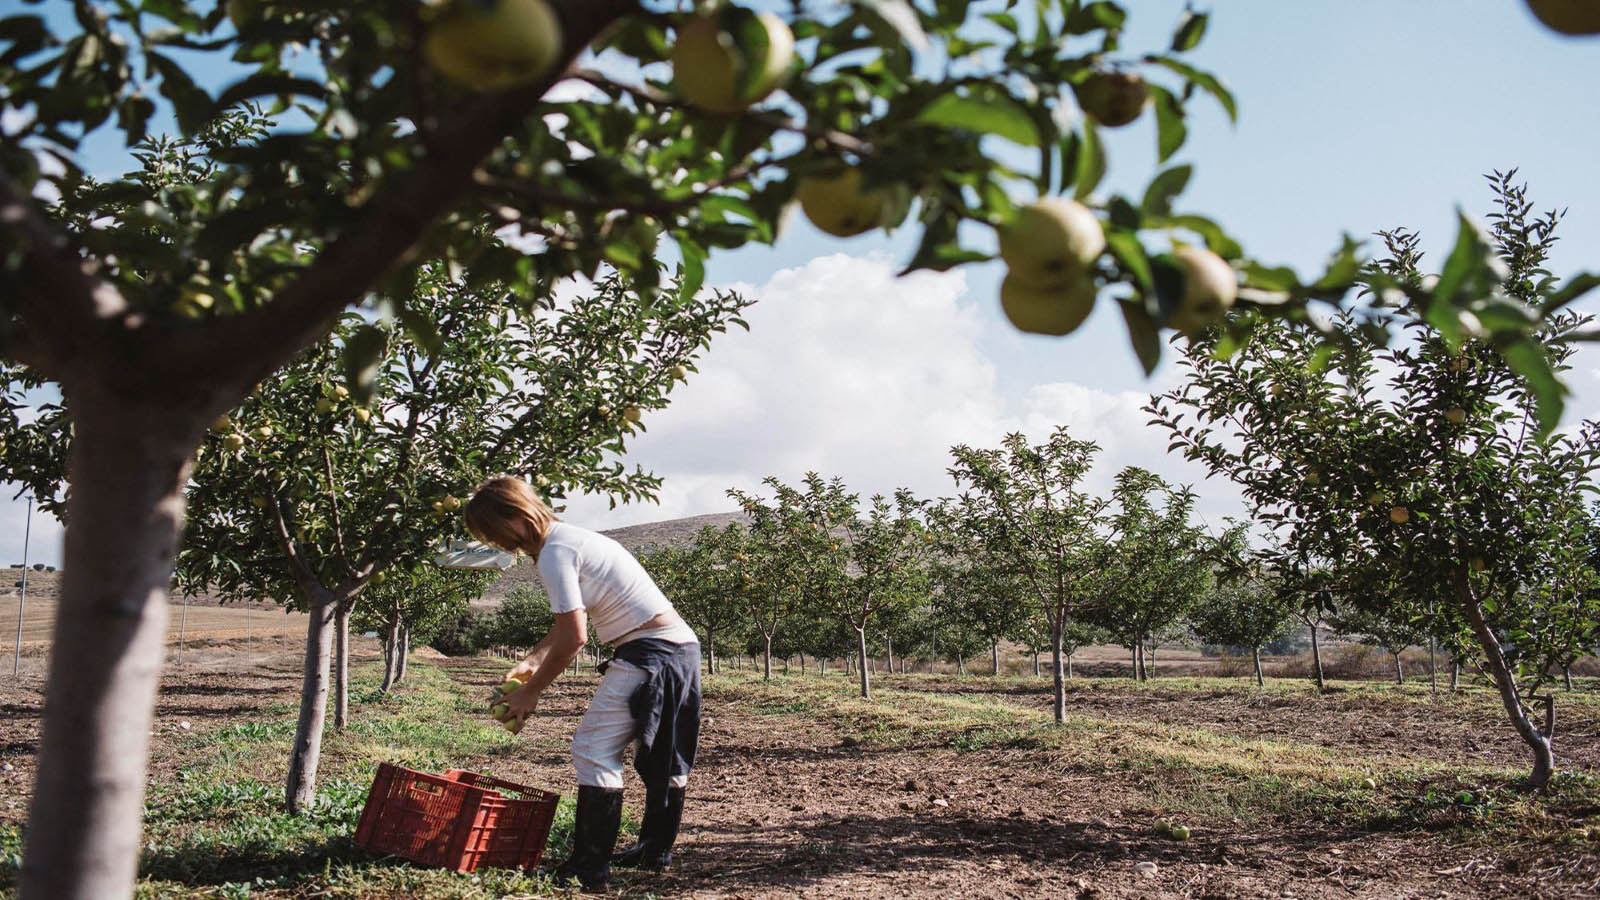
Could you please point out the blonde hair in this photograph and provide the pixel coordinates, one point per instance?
(505, 511)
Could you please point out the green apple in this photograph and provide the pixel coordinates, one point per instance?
(632, 415)
(223, 423)
(1179, 832)
(499, 711)
(509, 685)
(1047, 310)
(379, 577)
(259, 502)
(1399, 515)
(603, 411)
(452, 503)
(1378, 498)
(1209, 289)
(1114, 99)
(233, 442)
(513, 725)
(727, 61)
(1568, 16)
(541, 481)
(1051, 242)
(362, 414)
(340, 392)
(1369, 784)
(264, 432)
(680, 373)
(326, 405)
(1313, 478)
(1455, 415)
(1477, 563)
(838, 205)
(1164, 828)
(490, 45)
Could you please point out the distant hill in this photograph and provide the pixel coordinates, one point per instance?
(637, 538)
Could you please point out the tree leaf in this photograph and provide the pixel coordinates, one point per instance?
(902, 17)
(1205, 81)
(1532, 362)
(1142, 333)
(1191, 28)
(1091, 162)
(994, 113)
(1166, 185)
(1171, 131)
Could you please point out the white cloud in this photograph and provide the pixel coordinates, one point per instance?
(850, 371)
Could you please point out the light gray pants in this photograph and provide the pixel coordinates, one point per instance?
(607, 729)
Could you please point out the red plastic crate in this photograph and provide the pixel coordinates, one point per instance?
(458, 820)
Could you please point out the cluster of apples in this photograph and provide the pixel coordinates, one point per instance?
(1172, 830)
(233, 439)
(446, 506)
(499, 711)
(1050, 250)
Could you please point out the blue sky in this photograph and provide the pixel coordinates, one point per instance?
(1354, 115)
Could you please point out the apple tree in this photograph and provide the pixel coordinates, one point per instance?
(1243, 607)
(705, 582)
(980, 583)
(1426, 462)
(399, 129)
(1160, 564)
(345, 491)
(1045, 522)
(416, 604)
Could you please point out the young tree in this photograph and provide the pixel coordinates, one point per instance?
(1030, 499)
(979, 583)
(344, 492)
(1158, 559)
(706, 582)
(773, 566)
(157, 303)
(1244, 611)
(1444, 478)
(417, 605)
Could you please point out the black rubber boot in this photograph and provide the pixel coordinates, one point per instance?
(594, 833)
(657, 833)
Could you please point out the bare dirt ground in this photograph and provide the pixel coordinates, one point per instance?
(781, 806)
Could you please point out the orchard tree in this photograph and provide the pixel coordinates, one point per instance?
(344, 491)
(1243, 607)
(706, 582)
(1392, 630)
(1159, 561)
(156, 303)
(980, 582)
(1444, 476)
(1032, 499)
(776, 562)
(412, 605)
(859, 568)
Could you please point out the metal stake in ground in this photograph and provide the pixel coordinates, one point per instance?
(22, 595)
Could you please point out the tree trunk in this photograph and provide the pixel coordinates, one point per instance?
(1455, 674)
(1399, 671)
(405, 651)
(391, 651)
(786, 665)
(994, 658)
(888, 644)
(1433, 666)
(802, 664)
(1149, 671)
(1069, 662)
(961, 664)
(1036, 670)
(822, 665)
(127, 470)
(1316, 659)
(1566, 677)
(861, 654)
(1255, 654)
(711, 650)
(1058, 682)
(306, 751)
(766, 655)
(1537, 740)
(341, 669)
(1134, 660)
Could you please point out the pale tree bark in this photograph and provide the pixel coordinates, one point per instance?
(127, 470)
(766, 656)
(341, 668)
(1070, 654)
(1316, 657)
(994, 658)
(391, 651)
(1058, 680)
(300, 789)
(1255, 654)
(1566, 677)
(1399, 670)
(1037, 671)
(861, 655)
(1433, 666)
(1537, 739)
(711, 650)
(888, 643)
(1455, 675)
(405, 652)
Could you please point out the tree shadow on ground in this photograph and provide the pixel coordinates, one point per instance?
(731, 857)
(211, 864)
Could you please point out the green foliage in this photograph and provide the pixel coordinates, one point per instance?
(521, 620)
(1159, 562)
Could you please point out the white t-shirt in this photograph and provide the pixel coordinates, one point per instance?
(582, 569)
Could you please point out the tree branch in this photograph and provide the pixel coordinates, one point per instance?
(249, 347)
(62, 299)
